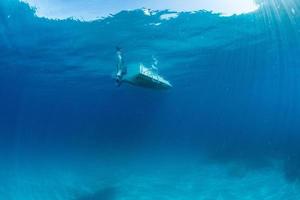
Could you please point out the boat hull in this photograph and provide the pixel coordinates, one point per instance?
(148, 82)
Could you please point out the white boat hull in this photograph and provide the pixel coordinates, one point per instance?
(147, 78)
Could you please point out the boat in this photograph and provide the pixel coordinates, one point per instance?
(146, 77)
(139, 74)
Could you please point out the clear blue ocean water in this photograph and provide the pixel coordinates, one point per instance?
(228, 130)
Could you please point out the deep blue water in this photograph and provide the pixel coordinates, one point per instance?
(229, 129)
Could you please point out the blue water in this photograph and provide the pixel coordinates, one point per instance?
(229, 129)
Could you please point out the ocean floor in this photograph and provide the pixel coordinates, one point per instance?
(125, 179)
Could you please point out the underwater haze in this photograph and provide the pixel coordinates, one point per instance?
(229, 129)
